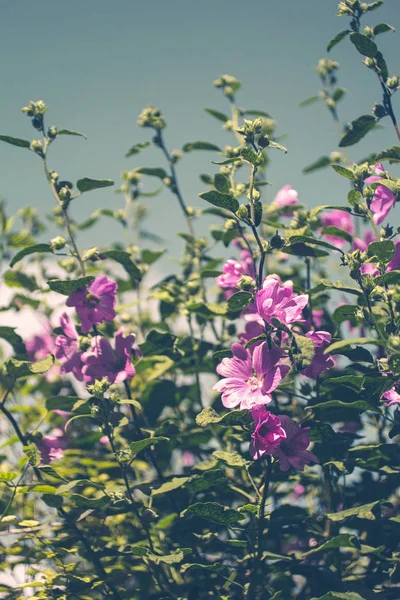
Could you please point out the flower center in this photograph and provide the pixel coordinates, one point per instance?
(91, 300)
(254, 383)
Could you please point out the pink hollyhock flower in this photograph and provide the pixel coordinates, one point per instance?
(362, 245)
(341, 220)
(102, 361)
(394, 264)
(268, 432)
(51, 446)
(286, 196)
(95, 303)
(249, 379)
(67, 349)
(292, 451)
(383, 199)
(321, 362)
(279, 301)
(391, 397)
(233, 270)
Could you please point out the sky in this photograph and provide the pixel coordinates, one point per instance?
(97, 63)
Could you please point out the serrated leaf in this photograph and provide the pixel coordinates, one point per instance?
(133, 150)
(86, 184)
(249, 155)
(383, 251)
(234, 459)
(190, 146)
(391, 154)
(140, 445)
(15, 141)
(70, 132)
(221, 200)
(209, 416)
(357, 130)
(214, 512)
(30, 250)
(239, 300)
(217, 114)
(337, 38)
(364, 44)
(124, 259)
(66, 287)
(343, 171)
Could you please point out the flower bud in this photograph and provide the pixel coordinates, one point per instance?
(91, 254)
(335, 157)
(176, 155)
(151, 117)
(167, 181)
(52, 132)
(149, 515)
(255, 194)
(277, 242)
(393, 82)
(368, 32)
(369, 62)
(99, 387)
(379, 111)
(64, 193)
(54, 176)
(230, 224)
(36, 146)
(246, 283)
(242, 212)
(58, 243)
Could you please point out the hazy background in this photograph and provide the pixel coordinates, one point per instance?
(97, 63)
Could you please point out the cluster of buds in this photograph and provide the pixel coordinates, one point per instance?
(34, 109)
(37, 147)
(151, 117)
(355, 260)
(229, 85)
(326, 69)
(355, 8)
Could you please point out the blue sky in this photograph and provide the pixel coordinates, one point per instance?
(97, 63)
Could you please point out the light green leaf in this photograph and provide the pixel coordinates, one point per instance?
(365, 511)
(277, 146)
(7, 477)
(30, 250)
(345, 540)
(87, 184)
(239, 300)
(190, 146)
(66, 287)
(234, 459)
(209, 416)
(361, 341)
(140, 445)
(217, 114)
(343, 171)
(309, 101)
(153, 172)
(168, 559)
(169, 486)
(24, 368)
(69, 132)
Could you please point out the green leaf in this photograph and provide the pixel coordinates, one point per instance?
(21, 280)
(218, 115)
(222, 200)
(222, 184)
(382, 251)
(391, 154)
(354, 197)
(87, 184)
(296, 239)
(66, 287)
(343, 171)
(137, 148)
(168, 559)
(234, 460)
(140, 445)
(257, 113)
(30, 250)
(190, 146)
(151, 256)
(214, 567)
(277, 146)
(6, 477)
(340, 596)
(382, 28)
(337, 38)
(69, 132)
(365, 511)
(345, 540)
(24, 368)
(338, 94)
(382, 66)
(153, 172)
(209, 416)
(239, 300)
(336, 232)
(362, 341)
(169, 486)
(124, 259)
(8, 334)
(357, 130)
(344, 313)
(364, 44)
(66, 403)
(309, 101)
(15, 141)
(324, 284)
(249, 155)
(228, 161)
(358, 405)
(301, 249)
(29, 523)
(214, 512)
(321, 163)
(390, 278)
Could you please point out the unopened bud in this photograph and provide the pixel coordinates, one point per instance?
(393, 82)
(91, 254)
(52, 132)
(369, 62)
(37, 146)
(64, 193)
(167, 181)
(58, 243)
(242, 212)
(379, 111)
(368, 31)
(246, 283)
(277, 242)
(99, 387)
(149, 515)
(230, 224)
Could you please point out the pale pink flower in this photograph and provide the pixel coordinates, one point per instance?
(249, 379)
(383, 199)
(321, 362)
(67, 349)
(279, 301)
(391, 397)
(292, 451)
(286, 196)
(268, 432)
(341, 220)
(52, 446)
(95, 303)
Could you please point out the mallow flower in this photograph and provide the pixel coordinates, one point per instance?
(383, 199)
(268, 432)
(250, 378)
(321, 362)
(279, 301)
(286, 196)
(67, 349)
(292, 451)
(392, 397)
(101, 360)
(95, 303)
(233, 270)
(341, 220)
(41, 345)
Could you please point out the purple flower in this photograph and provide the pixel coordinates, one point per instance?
(268, 432)
(233, 270)
(286, 196)
(321, 362)
(391, 397)
(95, 303)
(359, 244)
(40, 345)
(249, 379)
(383, 199)
(67, 349)
(102, 361)
(292, 451)
(51, 446)
(279, 301)
(341, 220)
(253, 329)
(394, 264)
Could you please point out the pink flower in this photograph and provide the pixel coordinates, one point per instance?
(268, 432)
(102, 361)
(292, 451)
(249, 379)
(286, 196)
(358, 244)
(391, 397)
(67, 349)
(279, 301)
(253, 329)
(51, 446)
(321, 362)
(383, 199)
(40, 345)
(341, 220)
(95, 303)
(233, 270)
(394, 264)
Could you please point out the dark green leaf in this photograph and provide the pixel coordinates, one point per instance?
(209, 416)
(221, 183)
(218, 115)
(222, 200)
(391, 154)
(137, 148)
(15, 141)
(15, 340)
(190, 146)
(321, 163)
(124, 259)
(30, 250)
(66, 287)
(20, 280)
(390, 278)
(140, 445)
(357, 130)
(382, 28)
(249, 155)
(338, 38)
(343, 171)
(359, 341)
(364, 45)
(301, 249)
(336, 232)
(151, 256)
(382, 251)
(69, 132)
(239, 300)
(87, 184)
(345, 540)
(257, 113)
(214, 512)
(153, 172)
(338, 94)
